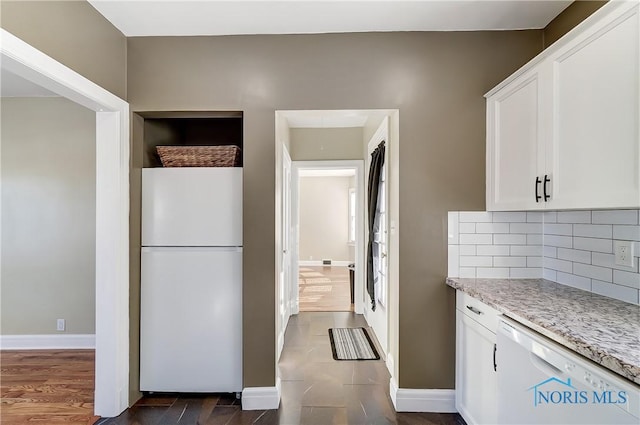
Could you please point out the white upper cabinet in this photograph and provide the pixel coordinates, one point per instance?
(567, 124)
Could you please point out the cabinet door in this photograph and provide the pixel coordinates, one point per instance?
(593, 153)
(476, 379)
(514, 156)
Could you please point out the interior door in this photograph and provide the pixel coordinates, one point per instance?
(378, 319)
(286, 272)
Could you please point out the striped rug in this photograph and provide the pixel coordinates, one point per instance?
(352, 344)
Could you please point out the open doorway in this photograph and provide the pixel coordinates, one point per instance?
(328, 217)
(110, 116)
(312, 142)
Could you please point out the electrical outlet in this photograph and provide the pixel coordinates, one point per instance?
(60, 325)
(623, 253)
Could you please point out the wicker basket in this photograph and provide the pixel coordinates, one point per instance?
(199, 156)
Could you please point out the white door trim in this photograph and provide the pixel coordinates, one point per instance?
(358, 165)
(112, 212)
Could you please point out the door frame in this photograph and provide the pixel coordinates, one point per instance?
(112, 212)
(358, 166)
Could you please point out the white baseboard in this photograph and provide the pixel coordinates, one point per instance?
(45, 342)
(261, 398)
(390, 364)
(318, 263)
(415, 400)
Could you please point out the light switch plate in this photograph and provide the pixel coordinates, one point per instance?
(623, 253)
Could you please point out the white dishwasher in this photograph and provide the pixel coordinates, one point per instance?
(541, 382)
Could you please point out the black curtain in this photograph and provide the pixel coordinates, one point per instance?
(377, 161)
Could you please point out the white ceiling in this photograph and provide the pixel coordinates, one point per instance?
(230, 17)
(12, 85)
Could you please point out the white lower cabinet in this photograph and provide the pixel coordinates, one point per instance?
(476, 376)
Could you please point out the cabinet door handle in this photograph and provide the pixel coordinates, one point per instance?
(544, 188)
(474, 310)
(495, 366)
(538, 197)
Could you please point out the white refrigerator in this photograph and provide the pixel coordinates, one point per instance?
(191, 280)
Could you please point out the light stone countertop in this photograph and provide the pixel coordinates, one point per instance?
(602, 329)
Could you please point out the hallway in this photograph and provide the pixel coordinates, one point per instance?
(316, 389)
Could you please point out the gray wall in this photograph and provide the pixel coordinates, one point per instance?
(73, 33)
(48, 216)
(569, 18)
(436, 80)
(324, 218)
(324, 144)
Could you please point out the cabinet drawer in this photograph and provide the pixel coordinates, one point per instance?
(478, 311)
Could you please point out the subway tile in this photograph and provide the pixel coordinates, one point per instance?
(574, 255)
(525, 273)
(466, 261)
(467, 227)
(467, 249)
(492, 228)
(534, 262)
(454, 265)
(493, 273)
(475, 217)
(525, 228)
(534, 239)
(509, 217)
(574, 216)
(492, 250)
(558, 241)
(626, 278)
(526, 250)
(549, 251)
(558, 229)
(594, 272)
(509, 239)
(609, 260)
(555, 264)
(468, 272)
(593, 244)
(474, 239)
(574, 281)
(510, 261)
(534, 217)
(549, 274)
(618, 292)
(452, 228)
(550, 217)
(627, 233)
(593, 230)
(615, 217)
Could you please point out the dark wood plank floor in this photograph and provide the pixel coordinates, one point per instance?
(315, 389)
(324, 288)
(47, 387)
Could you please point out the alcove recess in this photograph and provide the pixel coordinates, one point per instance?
(201, 128)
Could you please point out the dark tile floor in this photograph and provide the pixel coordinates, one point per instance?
(315, 389)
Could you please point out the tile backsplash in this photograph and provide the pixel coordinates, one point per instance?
(573, 248)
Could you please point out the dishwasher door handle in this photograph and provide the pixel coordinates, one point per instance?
(544, 365)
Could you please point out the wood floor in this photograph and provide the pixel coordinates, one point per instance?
(316, 390)
(56, 387)
(324, 289)
(47, 387)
